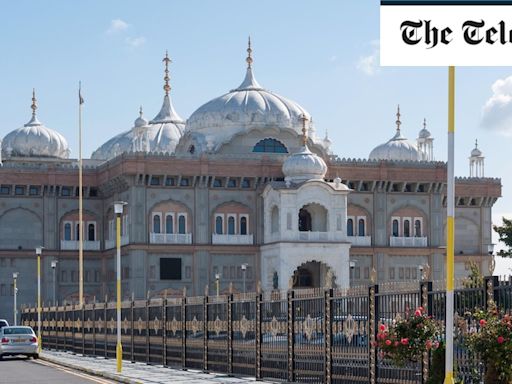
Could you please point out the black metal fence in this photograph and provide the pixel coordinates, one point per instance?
(304, 335)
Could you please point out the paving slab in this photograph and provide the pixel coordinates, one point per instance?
(140, 373)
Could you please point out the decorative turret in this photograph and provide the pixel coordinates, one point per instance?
(476, 162)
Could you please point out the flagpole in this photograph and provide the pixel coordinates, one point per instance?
(450, 229)
(80, 203)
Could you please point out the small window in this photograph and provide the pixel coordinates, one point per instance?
(170, 268)
(243, 225)
(77, 232)
(361, 228)
(417, 228)
(232, 183)
(184, 182)
(93, 192)
(231, 225)
(270, 146)
(350, 227)
(155, 180)
(391, 273)
(407, 228)
(19, 190)
(170, 181)
(395, 228)
(182, 224)
(65, 191)
(217, 183)
(91, 232)
(156, 224)
(218, 225)
(169, 224)
(34, 190)
(5, 190)
(246, 183)
(67, 231)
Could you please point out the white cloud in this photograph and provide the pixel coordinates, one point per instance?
(117, 25)
(369, 64)
(497, 111)
(135, 42)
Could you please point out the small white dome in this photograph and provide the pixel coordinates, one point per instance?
(397, 148)
(140, 121)
(35, 140)
(476, 152)
(424, 133)
(304, 166)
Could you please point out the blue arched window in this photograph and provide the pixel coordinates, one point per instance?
(156, 224)
(350, 227)
(243, 226)
(231, 225)
(218, 225)
(67, 231)
(181, 224)
(361, 228)
(270, 145)
(169, 228)
(395, 228)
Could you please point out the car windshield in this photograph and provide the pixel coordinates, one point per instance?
(3, 323)
(17, 331)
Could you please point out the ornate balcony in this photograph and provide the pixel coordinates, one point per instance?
(170, 238)
(73, 245)
(306, 236)
(109, 244)
(232, 239)
(360, 241)
(408, 241)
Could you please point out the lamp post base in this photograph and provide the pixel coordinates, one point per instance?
(119, 357)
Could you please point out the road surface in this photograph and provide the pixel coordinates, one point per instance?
(23, 371)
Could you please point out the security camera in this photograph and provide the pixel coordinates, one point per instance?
(420, 268)
(352, 264)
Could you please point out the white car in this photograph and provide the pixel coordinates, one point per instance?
(18, 341)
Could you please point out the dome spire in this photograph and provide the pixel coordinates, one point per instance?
(166, 60)
(476, 143)
(304, 119)
(249, 54)
(34, 103)
(424, 123)
(33, 121)
(398, 122)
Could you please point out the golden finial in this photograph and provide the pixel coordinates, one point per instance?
(249, 54)
(304, 118)
(398, 122)
(166, 61)
(34, 102)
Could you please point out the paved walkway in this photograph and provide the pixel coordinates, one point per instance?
(139, 373)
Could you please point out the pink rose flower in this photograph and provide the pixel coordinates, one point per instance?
(483, 322)
(501, 339)
(388, 342)
(404, 341)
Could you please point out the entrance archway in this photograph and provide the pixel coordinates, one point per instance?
(312, 274)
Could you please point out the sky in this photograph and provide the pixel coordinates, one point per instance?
(323, 54)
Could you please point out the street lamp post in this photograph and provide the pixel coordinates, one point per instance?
(54, 267)
(15, 312)
(118, 209)
(217, 281)
(244, 270)
(39, 250)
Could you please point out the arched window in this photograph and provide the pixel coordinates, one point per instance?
(67, 231)
(243, 225)
(304, 220)
(169, 225)
(350, 227)
(395, 228)
(231, 225)
(182, 225)
(360, 230)
(91, 233)
(417, 228)
(77, 234)
(407, 228)
(270, 145)
(156, 224)
(274, 224)
(218, 225)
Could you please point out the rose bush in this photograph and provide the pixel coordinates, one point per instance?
(405, 340)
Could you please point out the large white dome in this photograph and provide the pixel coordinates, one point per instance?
(162, 134)
(35, 140)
